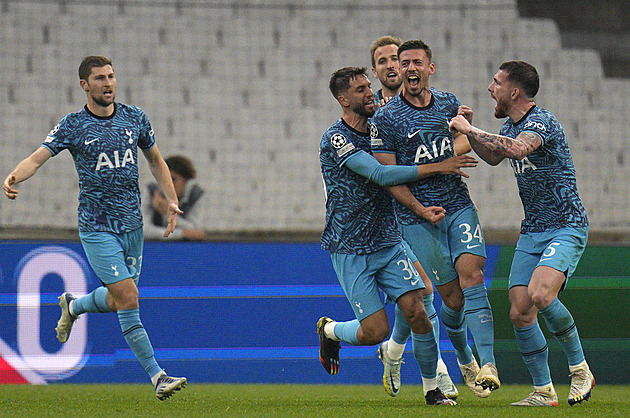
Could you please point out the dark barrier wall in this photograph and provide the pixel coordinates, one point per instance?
(233, 312)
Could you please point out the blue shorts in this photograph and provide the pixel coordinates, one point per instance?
(114, 257)
(560, 249)
(438, 246)
(361, 276)
(410, 254)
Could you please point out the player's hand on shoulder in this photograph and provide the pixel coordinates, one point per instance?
(383, 101)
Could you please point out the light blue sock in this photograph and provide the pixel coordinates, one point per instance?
(560, 323)
(426, 354)
(95, 302)
(347, 331)
(480, 322)
(138, 340)
(533, 346)
(455, 325)
(433, 317)
(402, 330)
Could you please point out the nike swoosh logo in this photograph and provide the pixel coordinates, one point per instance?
(414, 282)
(391, 381)
(412, 134)
(470, 247)
(89, 142)
(545, 259)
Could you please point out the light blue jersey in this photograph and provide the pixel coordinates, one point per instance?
(546, 177)
(421, 136)
(105, 152)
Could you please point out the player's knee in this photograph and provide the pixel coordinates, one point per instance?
(454, 301)
(541, 299)
(471, 278)
(127, 301)
(521, 318)
(416, 316)
(420, 324)
(374, 335)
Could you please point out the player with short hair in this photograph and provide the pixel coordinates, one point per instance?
(103, 139)
(384, 55)
(413, 130)
(362, 235)
(553, 234)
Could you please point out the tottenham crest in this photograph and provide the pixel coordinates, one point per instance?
(338, 141)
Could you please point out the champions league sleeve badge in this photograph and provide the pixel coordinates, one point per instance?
(373, 131)
(338, 141)
(342, 145)
(374, 140)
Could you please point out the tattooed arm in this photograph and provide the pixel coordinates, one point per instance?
(494, 148)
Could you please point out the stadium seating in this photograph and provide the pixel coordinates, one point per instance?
(242, 87)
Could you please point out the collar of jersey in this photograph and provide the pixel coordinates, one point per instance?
(354, 130)
(524, 116)
(102, 117)
(431, 102)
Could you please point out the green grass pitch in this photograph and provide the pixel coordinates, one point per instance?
(199, 400)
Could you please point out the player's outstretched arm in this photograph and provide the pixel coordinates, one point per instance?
(494, 148)
(24, 170)
(162, 175)
(451, 165)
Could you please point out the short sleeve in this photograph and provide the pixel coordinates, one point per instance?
(59, 137)
(146, 139)
(538, 124)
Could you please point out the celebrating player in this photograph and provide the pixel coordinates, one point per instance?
(384, 55)
(413, 130)
(362, 236)
(553, 233)
(103, 139)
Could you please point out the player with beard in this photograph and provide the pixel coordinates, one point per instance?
(413, 130)
(553, 234)
(362, 235)
(103, 139)
(384, 56)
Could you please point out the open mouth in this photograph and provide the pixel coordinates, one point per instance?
(414, 80)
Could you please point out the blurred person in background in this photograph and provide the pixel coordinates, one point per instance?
(189, 194)
(103, 139)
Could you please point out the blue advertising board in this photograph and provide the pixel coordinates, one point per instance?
(215, 312)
